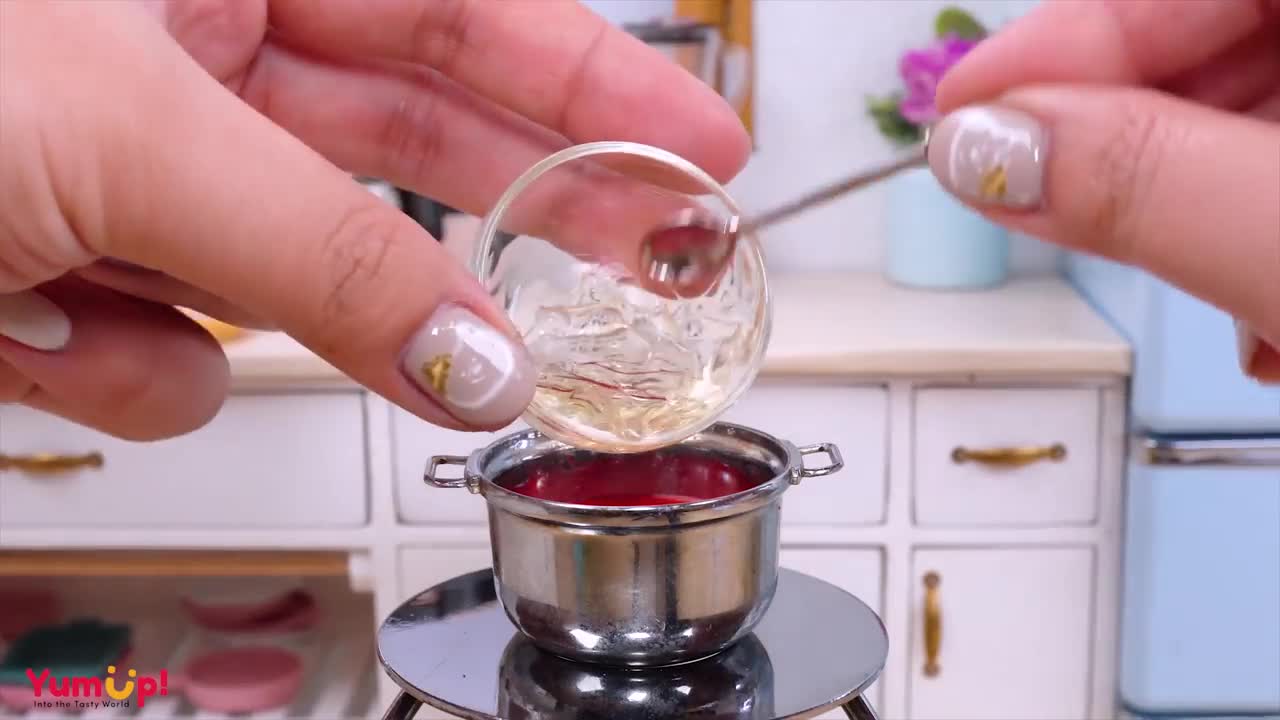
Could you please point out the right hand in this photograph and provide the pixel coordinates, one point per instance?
(199, 152)
(1145, 131)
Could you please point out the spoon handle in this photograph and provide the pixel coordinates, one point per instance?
(917, 158)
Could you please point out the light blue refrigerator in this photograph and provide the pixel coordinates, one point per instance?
(1200, 622)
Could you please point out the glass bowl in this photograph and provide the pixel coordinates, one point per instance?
(624, 365)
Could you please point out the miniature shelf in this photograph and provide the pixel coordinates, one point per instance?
(339, 678)
(340, 669)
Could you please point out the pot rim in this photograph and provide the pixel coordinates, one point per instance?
(482, 466)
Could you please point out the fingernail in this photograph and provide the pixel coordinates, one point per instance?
(475, 371)
(33, 320)
(991, 156)
(1259, 359)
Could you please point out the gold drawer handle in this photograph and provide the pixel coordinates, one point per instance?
(932, 625)
(1010, 457)
(49, 463)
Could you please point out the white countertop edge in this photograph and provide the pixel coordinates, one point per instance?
(900, 364)
(313, 374)
(1035, 325)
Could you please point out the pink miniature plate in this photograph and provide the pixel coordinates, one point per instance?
(238, 616)
(242, 679)
(299, 617)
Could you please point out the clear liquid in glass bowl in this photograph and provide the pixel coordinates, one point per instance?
(624, 365)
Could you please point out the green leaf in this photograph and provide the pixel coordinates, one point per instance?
(954, 21)
(891, 123)
(885, 104)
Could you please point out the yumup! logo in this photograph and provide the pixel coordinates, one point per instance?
(92, 692)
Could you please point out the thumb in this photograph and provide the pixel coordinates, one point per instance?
(1186, 192)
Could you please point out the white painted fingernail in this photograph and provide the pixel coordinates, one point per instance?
(478, 373)
(33, 320)
(991, 155)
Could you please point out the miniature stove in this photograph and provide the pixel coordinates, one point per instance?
(453, 648)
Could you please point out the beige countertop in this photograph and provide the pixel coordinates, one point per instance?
(840, 324)
(856, 325)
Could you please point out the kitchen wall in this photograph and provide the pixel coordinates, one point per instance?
(816, 61)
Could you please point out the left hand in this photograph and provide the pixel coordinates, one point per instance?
(200, 153)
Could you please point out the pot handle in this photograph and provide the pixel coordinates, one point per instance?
(431, 479)
(830, 450)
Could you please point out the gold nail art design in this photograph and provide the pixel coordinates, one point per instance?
(994, 183)
(436, 371)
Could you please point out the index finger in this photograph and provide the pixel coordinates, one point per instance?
(1129, 42)
(554, 62)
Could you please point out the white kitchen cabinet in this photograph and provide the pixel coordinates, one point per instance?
(1027, 553)
(422, 567)
(414, 442)
(807, 413)
(1015, 633)
(265, 461)
(860, 571)
(992, 457)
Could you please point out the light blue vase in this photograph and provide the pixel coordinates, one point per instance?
(934, 241)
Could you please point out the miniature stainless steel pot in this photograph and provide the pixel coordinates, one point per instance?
(638, 585)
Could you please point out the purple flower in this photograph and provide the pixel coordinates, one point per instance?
(921, 72)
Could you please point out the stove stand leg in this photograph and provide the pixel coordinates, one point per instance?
(404, 707)
(859, 709)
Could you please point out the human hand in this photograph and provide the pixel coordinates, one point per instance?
(199, 153)
(1145, 131)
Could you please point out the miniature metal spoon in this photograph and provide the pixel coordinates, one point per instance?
(688, 255)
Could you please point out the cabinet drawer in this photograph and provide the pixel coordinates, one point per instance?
(1013, 634)
(1012, 457)
(423, 567)
(854, 418)
(859, 571)
(415, 442)
(265, 461)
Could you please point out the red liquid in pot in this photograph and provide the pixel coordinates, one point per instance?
(665, 477)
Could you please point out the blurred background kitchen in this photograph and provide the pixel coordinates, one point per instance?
(800, 74)
(1059, 492)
